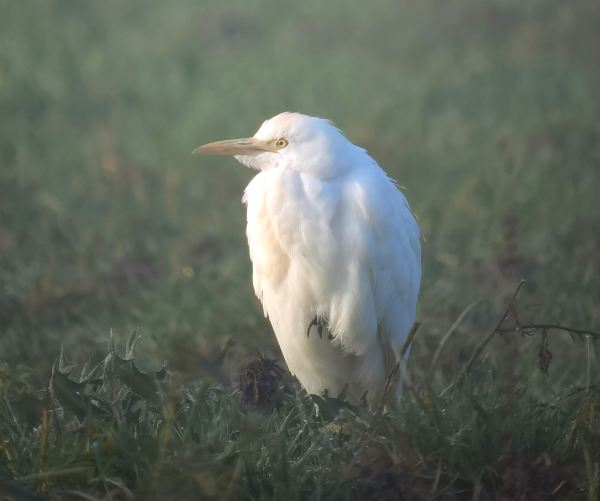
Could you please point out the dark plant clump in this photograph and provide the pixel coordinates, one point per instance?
(260, 382)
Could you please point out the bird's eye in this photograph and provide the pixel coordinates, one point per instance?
(281, 143)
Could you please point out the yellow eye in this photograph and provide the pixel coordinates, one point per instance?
(281, 143)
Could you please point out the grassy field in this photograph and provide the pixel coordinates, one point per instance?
(488, 113)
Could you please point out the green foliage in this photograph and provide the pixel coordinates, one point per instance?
(487, 112)
(117, 431)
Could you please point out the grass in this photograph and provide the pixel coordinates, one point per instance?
(487, 113)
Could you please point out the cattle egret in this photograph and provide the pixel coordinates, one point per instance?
(335, 252)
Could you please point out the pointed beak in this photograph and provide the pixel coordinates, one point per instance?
(245, 146)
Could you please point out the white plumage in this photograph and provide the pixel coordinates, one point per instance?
(335, 252)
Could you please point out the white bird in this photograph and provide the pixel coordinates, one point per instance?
(335, 251)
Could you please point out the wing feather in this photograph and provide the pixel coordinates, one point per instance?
(389, 254)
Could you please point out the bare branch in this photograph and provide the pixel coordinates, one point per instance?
(469, 365)
(532, 328)
(393, 375)
(527, 329)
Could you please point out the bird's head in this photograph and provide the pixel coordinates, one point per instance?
(292, 141)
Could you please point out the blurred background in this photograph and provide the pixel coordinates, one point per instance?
(487, 113)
